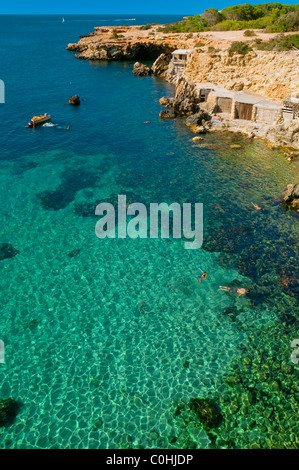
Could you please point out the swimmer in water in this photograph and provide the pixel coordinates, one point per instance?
(67, 128)
(258, 208)
(235, 290)
(201, 277)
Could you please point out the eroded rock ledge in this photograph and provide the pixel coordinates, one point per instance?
(124, 43)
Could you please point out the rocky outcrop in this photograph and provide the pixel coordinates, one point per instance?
(125, 43)
(123, 50)
(186, 101)
(199, 123)
(285, 134)
(75, 100)
(291, 197)
(166, 101)
(141, 70)
(167, 114)
(163, 67)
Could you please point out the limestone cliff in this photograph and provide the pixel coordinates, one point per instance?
(271, 74)
(124, 43)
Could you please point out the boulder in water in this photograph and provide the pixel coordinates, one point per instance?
(7, 251)
(8, 411)
(167, 114)
(167, 102)
(207, 412)
(141, 70)
(75, 100)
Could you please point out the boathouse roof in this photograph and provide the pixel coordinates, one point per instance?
(181, 51)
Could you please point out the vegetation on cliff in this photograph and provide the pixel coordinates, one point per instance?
(272, 17)
(278, 43)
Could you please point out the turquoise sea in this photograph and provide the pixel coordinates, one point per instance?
(107, 342)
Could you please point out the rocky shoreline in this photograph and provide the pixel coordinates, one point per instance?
(271, 74)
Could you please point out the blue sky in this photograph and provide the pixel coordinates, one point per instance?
(117, 6)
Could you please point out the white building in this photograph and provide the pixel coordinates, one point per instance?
(179, 58)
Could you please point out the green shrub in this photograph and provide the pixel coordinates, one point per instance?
(212, 50)
(239, 47)
(278, 43)
(199, 44)
(273, 17)
(249, 33)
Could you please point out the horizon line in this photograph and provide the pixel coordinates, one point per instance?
(87, 14)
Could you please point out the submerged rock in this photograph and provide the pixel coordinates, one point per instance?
(8, 411)
(75, 100)
(31, 324)
(7, 251)
(74, 253)
(291, 197)
(207, 412)
(288, 279)
(235, 146)
(141, 70)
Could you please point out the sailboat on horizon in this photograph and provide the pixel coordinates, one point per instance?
(62, 20)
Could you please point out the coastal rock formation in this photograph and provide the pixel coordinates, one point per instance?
(186, 101)
(167, 102)
(162, 67)
(285, 134)
(291, 197)
(75, 100)
(131, 44)
(199, 122)
(167, 114)
(141, 70)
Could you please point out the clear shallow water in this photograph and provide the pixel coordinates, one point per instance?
(102, 345)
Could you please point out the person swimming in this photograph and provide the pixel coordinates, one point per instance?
(258, 208)
(235, 290)
(201, 276)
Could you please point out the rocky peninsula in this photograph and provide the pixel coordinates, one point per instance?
(126, 43)
(273, 74)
